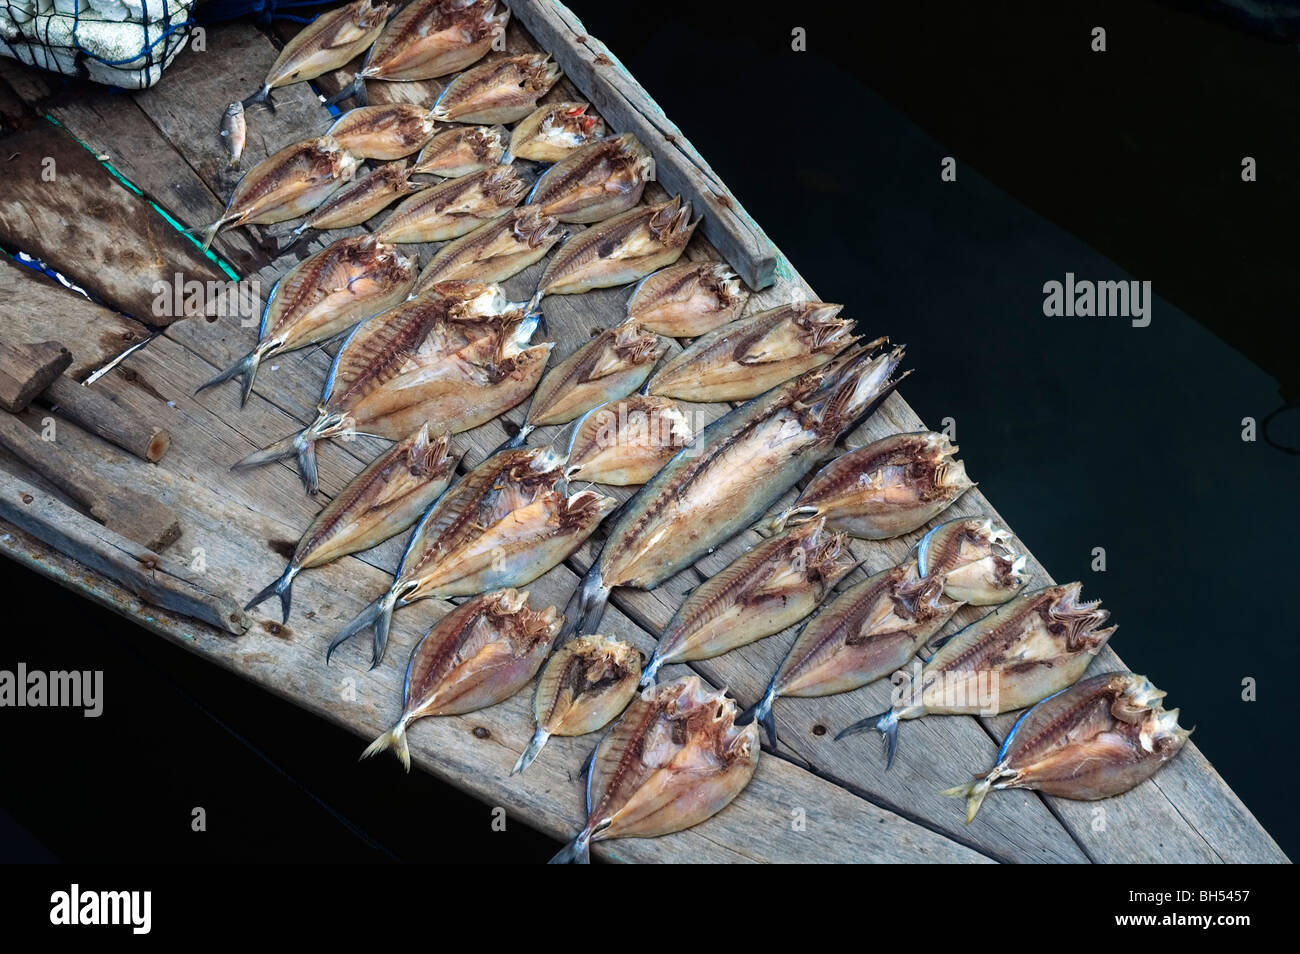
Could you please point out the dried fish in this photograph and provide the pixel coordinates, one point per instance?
(870, 630)
(362, 200)
(1022, 652)
(325, 44)
(498, 91)
(479, 654)
(234, 130)
(596, 181)
(505, 523)
(673, 760)
(587, 682)
(494, 252)
(461, 150)
(380, 502)
(743, 359)
(626, 442)
(1098, 738)
(619, 250)
(322, 296)
(688, 299)
(391, 131)
(555, 130)
(885, 489)
(975, 560)
(734, 470)
(284, 186)
(767, 588)
(455, 207)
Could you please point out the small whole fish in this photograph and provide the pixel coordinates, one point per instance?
(1101, 737)
(619, 250)
(495, 251)
(327, 43)
(586, 683)
(498, 91)
(362, 200)
(885, 489)
(234, 130)
(505, 523)
(387, 132)
(455, 207)
(285, 185)
(870, 630)
(688, 299)
(460, 150)
(479, 654)
(743, 359)
(1022, 652)
(766, 589)
(975, 560)
(322, 296)
(626, 442)
(555, 130)
(674, 759)
(596, 181)
(380, 502)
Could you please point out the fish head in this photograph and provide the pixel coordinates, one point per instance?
(581, 512)
(670, 222)
(469, 300)
(1075, 622)
(367, 15)
(534, 228)
(702, 725)
(431, 457)
(843, 391)
(503, 185)
(586, 683)
(525, 630)
(977, 559)
(493, 19)
(235, 109)
(821, 555)
(539, 71)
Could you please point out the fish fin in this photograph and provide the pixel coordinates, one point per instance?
(245, 368)
(761, 712)
(283, 587)
(380, 609)
(354, 86)
(650, 674)
(281, 450)
(205, 233)
(796, 514)
(535, 303)
(534, 747)
(586, 607)
(520, 438)
(576, 852)
(973, 792)
(395, 739)
(886, 723)
(307, 466)
(263, 95)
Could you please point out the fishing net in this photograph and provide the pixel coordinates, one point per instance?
(124, 43)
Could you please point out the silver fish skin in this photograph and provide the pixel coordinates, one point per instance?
(380, 502)
(460, 150)
(688, 299)
(234, 130)
(495, 251)
(743, 359)
(498, 91)
(596, 181)
(765, 590)
(734, 470)
(553, 131)
(362, 200)
(975, 559)
(625, 442)
(1099, 738)
(455, 207)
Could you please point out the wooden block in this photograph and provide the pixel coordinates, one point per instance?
(95, 411)
(28, 369)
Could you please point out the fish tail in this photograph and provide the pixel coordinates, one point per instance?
(973, 792)
(576, 852)
(761, 712)
(380, 610)
(356, 88)
(283, 587)
(395, 739)
(263, 95)
(245, 369)
(650, 674)
(206, 233)
(531, 752)
(519, 440)
(794, 515)
(886, 723)
(586, 606)
(301, 445)
(534, 305)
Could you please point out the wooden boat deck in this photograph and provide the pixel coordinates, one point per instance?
(816, 800)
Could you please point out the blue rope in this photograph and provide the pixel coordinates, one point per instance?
(219, 11)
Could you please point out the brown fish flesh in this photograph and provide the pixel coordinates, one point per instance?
(1098, 738)
(586, 683)
(885, 489)
(391, 131)
(455, 207)
(505, 523)
(479, 654)
(495, 251)
(766, 589)
(743, 359)
(285, 185)
(498, 91)
(688, 299)
(619, 250)
(555, 130)
(596, 181)
(975, 560)
(674, 759)
(461, 150)
(322, 296)
(362, 200)
(626, 442)
(380, 502)
(1022, 652)
(870, 630)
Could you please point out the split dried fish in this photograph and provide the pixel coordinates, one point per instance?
(734, 470)
(1038, 644)
(975, 560)
(870, 630)
(327, 43)
(387, 132)
(587, 682)
(362, 200)
(626, 442)
(688, 299)
(766, 589)
(619, 250)
(885, 489)
(673, 760)
(284, 186)
(505, 523)
(380, 502)
(596, 181)
(234, 130)
(555, 130)
(499, 91)
(743, 359)
(455, 207)
(494, 252)
(1098, 738)
(479, 654)
(461, 150)
(322, 296)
